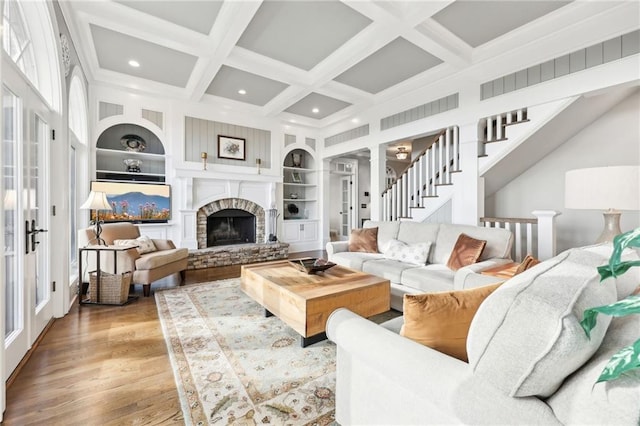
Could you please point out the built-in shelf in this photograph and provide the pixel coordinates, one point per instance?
(111, 156)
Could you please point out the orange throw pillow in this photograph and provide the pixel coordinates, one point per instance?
(441, 320)
(364, 240)
(528, 262)
(467, 251)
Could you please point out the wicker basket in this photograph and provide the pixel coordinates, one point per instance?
(114, 288)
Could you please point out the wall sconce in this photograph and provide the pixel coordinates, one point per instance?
(258, 164)
(203, 155)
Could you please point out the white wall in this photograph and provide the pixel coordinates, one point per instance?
(612, 139)
(364, 185)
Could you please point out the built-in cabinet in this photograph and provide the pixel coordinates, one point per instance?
(300, 200)
(132, 144)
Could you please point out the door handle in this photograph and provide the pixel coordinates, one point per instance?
(32, 234)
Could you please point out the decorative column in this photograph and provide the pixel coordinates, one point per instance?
(546, 233)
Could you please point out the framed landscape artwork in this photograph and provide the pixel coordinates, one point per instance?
(231, 148)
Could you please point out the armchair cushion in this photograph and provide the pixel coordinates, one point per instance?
(159, 258)
(143, 244)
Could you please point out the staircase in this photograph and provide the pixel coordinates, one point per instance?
(428, 183)
(424, 178)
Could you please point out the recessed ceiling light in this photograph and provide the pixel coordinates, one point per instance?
(292, 121)
(242, 92)
(315, 110)
(134, 63)
(355, 120)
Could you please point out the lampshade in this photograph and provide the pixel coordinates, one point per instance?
(401, 153)
(96, 201)
(602, 188)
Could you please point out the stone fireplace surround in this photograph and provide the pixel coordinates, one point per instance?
(228, 203)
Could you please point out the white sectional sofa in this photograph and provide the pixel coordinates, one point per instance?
(529, 360)
(408, 278)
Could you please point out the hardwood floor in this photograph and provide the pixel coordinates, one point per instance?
(104, 365)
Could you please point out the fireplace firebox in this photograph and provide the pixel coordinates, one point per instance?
(230, 226)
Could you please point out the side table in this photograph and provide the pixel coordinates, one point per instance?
(98, 249)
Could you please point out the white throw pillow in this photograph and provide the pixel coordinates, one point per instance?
(415, 254)
(143, 244)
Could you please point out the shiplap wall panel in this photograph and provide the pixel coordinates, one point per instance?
(202, 136)
(422, 111)
(106, 109)
(630, 43)
(310, 143)
(348, 135)
(156, 117)
(597, 54)
(289, 140)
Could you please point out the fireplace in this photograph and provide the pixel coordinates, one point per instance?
(230, 221)
(231, 226)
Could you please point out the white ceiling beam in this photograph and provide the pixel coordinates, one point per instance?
(231, 22)
(119, 18)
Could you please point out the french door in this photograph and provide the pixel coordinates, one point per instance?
(28, 299)
(346, 207)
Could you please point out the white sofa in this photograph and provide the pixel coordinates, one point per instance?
(407, 278)
(529, 360)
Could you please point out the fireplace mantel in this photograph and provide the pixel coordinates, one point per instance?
(201, 187)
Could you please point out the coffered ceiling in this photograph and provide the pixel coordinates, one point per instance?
(312, 62)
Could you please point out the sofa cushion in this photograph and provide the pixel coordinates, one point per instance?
(386, 231)
(415, 254)
(628, 282)
(143, 244)
(354, 260)
(527, 263)
(159, 258)
(441, 320)
(581, 401)
(385, 268)
(417, 232)
(526, 338)
(499, 241)
(466, 251)
(364, 240)
(429, 278)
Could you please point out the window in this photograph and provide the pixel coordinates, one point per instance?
(77, 152)
(17, 42)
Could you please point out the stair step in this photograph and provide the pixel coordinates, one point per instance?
(444, 184)
(496, 140)
(429, 196)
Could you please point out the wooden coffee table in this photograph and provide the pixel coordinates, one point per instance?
(304, 302)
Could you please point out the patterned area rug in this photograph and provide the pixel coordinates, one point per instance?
(234, 366)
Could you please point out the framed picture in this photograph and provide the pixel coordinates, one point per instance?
(231, 148)
(296, 177)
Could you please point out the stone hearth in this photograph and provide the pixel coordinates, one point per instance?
(238, 254)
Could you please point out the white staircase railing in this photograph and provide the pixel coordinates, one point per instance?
(535, 236)
(419, 181)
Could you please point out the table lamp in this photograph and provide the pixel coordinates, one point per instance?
(97, 201)
(610, 189)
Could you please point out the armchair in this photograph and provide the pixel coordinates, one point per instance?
(146, 268)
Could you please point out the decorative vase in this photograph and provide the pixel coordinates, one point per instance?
(296, 158)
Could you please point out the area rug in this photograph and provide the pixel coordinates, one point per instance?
(235, 366)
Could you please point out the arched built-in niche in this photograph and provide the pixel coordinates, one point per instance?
(128, 151)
